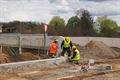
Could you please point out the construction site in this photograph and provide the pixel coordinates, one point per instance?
(24, 57)
(59, 39)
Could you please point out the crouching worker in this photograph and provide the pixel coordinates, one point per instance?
(53, 49)
(75, 56)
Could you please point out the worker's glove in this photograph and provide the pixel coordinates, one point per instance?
(68, 60)
(53, 56)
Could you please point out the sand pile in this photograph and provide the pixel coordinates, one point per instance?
(98, 50)
(4, 58)
(116, 49)
(28, 56)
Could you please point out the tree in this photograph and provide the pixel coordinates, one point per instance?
(86, 22)
(73, 22)
(107, 22)
(56, 25)
(79, 12)
(108, 27)
(72, 25)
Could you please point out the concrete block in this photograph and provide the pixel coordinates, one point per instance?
(29, 65)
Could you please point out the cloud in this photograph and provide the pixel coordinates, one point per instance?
(116, 18)
(44, 10)
(95, 0)
(54, 1)
(36, 10)
(100, 8)
(62, 8)
(19, 16)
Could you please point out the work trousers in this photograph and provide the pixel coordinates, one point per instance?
(64, 50)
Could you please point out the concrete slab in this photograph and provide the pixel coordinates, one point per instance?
(29, 65)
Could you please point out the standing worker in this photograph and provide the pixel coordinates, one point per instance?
(53, 48)
(75, 56)
(66, 46)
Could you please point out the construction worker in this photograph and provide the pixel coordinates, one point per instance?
(66, 46)
(75, 56)
(53, 48)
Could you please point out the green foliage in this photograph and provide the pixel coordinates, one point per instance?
(72, 26)
(81, 25)
(57, 22)
(56, 25)
(108, 27)
(106, 22)
(107, 32)
(87, 24)
(73, 22)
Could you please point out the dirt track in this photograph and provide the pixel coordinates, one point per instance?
(70, 71)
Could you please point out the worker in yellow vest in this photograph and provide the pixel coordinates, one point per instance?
(66, 46)
(75, 56)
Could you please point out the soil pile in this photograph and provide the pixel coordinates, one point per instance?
(4, 58)
(116, 49)
(98, 50)
(28, 56)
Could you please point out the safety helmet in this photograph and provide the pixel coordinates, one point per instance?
(56, 40)
(67, 38)
(74, 47)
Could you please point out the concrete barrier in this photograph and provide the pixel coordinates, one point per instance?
(112, 42)
(27, 40)
(31, 65)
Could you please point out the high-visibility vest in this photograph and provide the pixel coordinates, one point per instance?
(53, 48)
(77, 57)
(66, 44)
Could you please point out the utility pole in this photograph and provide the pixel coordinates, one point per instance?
(1, 44)
(0, 48)
(20, 48)
(45, 30)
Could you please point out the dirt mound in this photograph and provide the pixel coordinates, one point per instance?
(96, 50)
(4, 58)
(116, 49)
(28, 56)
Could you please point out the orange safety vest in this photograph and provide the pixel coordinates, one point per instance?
(53, 48)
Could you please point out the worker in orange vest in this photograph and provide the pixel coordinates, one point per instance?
(53, 48)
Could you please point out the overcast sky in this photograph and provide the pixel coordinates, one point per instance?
(44, 10)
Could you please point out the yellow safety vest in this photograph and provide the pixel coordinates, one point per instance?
(77, 57)
(66, 44)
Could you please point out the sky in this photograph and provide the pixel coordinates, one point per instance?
(44, 10)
